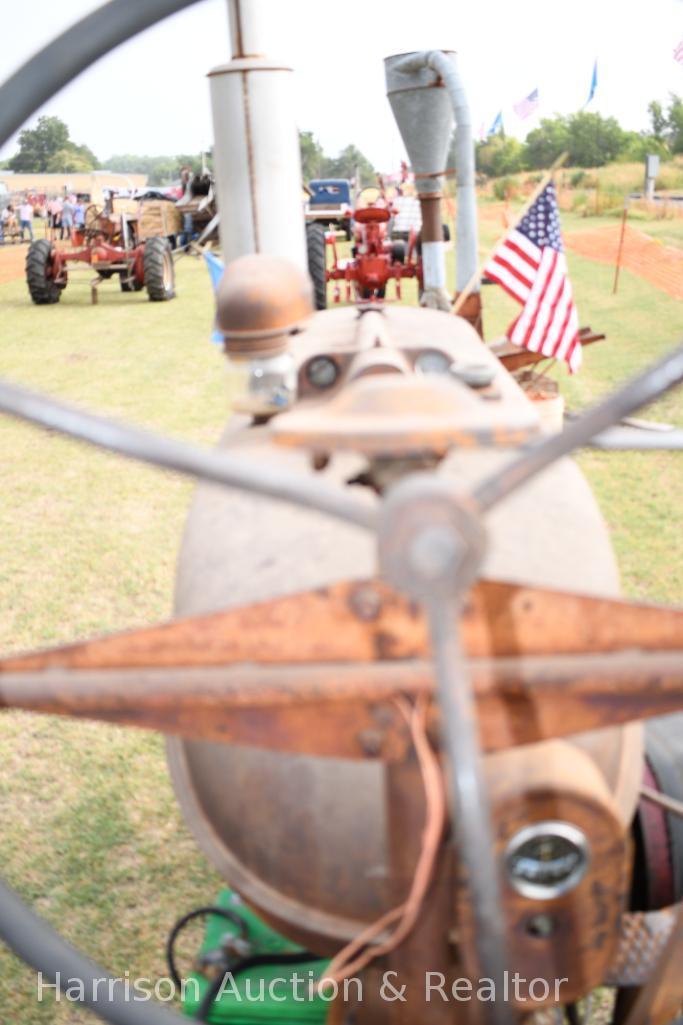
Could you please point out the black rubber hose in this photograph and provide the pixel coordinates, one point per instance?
(255, 961)
(202, 912)
(75, 50)
(36, 943)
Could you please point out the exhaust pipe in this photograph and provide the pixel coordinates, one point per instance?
(426, 94)
(256, 145)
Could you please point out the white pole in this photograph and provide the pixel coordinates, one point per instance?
(256, 145)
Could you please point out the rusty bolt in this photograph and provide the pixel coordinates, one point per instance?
(365, 602)
(542, 926)
(371, 742)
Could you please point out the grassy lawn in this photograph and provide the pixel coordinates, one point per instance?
(89, 831)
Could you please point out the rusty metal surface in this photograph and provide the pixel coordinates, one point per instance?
(342, 709)
(402, 413)
(367, 620)
(555, 781)
(260, 301)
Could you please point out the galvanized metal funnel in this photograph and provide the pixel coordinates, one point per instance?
(424, 115)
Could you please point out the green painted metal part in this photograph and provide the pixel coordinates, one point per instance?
(267, 993)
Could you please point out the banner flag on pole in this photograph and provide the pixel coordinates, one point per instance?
(526, 106)
(497, 125)
(594, 84)
(678, 52)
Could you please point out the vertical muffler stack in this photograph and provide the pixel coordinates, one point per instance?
(426, 96)
(256, 145)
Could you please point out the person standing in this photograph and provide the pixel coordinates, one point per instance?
(9, 223)
(26, 219)
(68, 210)
(79, 215)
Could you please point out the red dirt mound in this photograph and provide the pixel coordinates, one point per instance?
(661, 265)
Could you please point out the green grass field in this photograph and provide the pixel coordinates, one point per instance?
(89, 831)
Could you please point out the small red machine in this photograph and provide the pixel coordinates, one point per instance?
(111, 247)
(376, 259)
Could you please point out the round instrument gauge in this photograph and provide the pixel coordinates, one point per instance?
(547, 859)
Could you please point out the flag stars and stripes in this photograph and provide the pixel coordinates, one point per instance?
(530, 265)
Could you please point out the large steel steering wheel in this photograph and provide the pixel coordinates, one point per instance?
(431, 543)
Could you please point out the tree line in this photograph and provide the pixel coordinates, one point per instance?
(49, 148)
(589, 139)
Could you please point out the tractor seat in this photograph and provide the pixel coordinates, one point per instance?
(371, 215)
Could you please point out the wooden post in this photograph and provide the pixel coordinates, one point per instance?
(621, 246)
(462, 297)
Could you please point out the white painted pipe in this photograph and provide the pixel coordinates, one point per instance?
(256, 146)
(466, 231)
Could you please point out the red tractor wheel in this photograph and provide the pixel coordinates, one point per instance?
(159, 269)
(39, 275)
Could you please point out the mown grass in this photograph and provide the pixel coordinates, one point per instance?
(89, 830)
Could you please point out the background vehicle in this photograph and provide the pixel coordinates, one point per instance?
(109, 244)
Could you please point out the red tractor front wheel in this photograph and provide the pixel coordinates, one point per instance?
(40, 275)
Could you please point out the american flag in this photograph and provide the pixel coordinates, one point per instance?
(678, 52)
(530, 265)
(526, 106)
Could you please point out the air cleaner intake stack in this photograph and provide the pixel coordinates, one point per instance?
(426, 96)
(256, 149)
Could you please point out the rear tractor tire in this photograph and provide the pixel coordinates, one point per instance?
(41, 285)
(317, 264)
(159, 269)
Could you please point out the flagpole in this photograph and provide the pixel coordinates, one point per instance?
(472, 283)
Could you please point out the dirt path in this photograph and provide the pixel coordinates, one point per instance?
(661, 265)
(12, 259)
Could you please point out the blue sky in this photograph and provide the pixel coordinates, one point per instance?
(151, 96)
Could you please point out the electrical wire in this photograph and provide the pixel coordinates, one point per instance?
(182, 923)
(360, 951)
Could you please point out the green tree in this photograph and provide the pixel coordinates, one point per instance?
(675, 123)
(658, 119)
(638, 144)
(48, 147)
(69, 161)
(312, 155)
(349, 162)
(594, 140)
(499, 155)
(544, 144)
(160, 170)
(38, 145)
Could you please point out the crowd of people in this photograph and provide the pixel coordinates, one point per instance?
(64, 217)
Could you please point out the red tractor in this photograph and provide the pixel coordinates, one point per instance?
(375, 258)
(110, 245)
